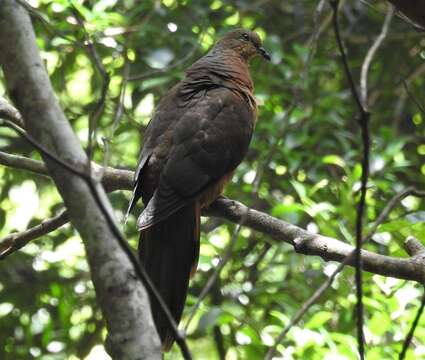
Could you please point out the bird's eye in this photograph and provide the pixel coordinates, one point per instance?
(245, 37)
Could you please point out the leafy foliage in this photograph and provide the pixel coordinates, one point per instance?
(303, 167)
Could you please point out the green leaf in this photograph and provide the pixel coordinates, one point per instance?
(334, 160)
(300, 189)
(318, 320)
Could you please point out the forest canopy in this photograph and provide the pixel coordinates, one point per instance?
(109, 63)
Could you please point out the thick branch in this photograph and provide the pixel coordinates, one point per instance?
(113, 179)
(303, 241)
(313, 244)
(123, 299)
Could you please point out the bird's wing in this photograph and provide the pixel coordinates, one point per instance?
(143, 158)
(157, 138)
(209, 140)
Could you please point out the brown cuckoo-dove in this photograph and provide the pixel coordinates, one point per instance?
(198, 135)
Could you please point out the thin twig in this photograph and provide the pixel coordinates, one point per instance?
(22, 162)
(279, 134)
(403, 95)
(409, 93)
(118, 112)
(361, 207)
(311, 44)
(9, 112)
(52, 29)
(390, 206)
(96, 113)
(16, 241)
(313, 40)
(113, 179)
(300, 313)
(409, 336)
(213, 278)
(415, 248)
(371, 53)
(139, 270)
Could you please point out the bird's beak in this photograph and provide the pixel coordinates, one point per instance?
(264, 53)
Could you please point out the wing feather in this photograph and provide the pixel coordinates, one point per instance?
(209, 141)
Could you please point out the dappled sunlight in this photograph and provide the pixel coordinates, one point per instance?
(25, 201)
(253, 295)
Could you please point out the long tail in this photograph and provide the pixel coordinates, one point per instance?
(169, 252)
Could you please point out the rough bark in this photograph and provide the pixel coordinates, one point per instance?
(121, 295)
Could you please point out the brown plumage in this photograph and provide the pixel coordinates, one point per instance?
(198, 135)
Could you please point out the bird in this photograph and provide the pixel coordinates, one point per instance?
(197, 136)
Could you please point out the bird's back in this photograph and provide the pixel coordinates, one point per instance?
(198, 135)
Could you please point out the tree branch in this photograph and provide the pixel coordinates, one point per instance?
(315, 244)
(363, 121)
(413, 248)
(22, 162)
(303, 242)
(371, 53)
(18, 240)
(96, 113)
(412, 329)
(113, 179)
(123, 299)
(7, 111)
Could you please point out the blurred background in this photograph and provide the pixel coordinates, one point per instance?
(303, 166)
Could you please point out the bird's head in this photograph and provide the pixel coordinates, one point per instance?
(246, 43)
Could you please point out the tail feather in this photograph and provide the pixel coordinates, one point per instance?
(197, 237)
(168, 250)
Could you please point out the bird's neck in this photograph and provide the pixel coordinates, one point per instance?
(223, 68)
(225, 63)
